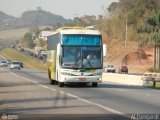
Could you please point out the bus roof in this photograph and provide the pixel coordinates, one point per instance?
(80, 31)
(77, 30)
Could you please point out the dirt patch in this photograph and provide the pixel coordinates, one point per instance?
(137, 60)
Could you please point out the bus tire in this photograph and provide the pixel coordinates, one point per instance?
(56, 82)
(61, 84)
(94, 84)
(52, 82)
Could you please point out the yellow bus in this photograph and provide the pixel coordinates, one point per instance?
(75, 55)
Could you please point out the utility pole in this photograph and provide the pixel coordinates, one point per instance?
(126, 34)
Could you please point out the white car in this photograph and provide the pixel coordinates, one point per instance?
(3, 63)
(110, 68)
(15, 65)
(8, 62)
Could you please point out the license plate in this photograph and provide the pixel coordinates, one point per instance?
(82, 79)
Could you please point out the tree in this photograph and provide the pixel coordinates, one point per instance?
(27, 40)
(152, 27)
(56, 26)
(47, 29)
(79, 22)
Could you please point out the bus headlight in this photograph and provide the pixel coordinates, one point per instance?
(97, 74)
(65, 73)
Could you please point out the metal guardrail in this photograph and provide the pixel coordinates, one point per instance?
(154, 77)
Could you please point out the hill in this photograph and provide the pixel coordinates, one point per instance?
(4, 16)
(29, 18)
(41, 17)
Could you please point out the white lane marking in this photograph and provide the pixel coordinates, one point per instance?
(77, 97)
(109, 109)
(120, 90)
(86, 101)
(62, 92)
(32, 81)
(74, 96)
(23, 78)
(148, 95)
(43, 86)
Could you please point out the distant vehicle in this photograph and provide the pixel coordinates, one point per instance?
(40, 57)
(15, 65)
(8, 62)
(21, 64)
(110, 68)
(37, 50)
(44, 56)
(27, 52)
(124, 69)
(12, 46)
(22, 49)
(31, 54)
(19, 48)
(3, 63)
(42, 52)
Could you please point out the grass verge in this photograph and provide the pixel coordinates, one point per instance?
(13, 33)
(157, 85)
(15, 55)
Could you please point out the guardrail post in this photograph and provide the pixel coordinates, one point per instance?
(154, 83)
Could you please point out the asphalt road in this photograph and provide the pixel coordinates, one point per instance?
(28, 94)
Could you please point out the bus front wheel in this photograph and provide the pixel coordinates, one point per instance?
(61, 84)
(94, 84)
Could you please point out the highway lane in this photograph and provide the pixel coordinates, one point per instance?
(29, 92)
(21, 95)
(126, 99)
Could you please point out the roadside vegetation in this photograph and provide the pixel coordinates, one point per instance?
(28, 62)
(27, 40)
(157, 85)
(140, 15)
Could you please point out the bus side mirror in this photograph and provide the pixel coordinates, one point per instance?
(58, 49)
(104, 50)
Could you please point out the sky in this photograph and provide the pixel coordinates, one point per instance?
(66, 8)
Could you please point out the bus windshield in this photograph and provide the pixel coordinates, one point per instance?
(82, 57)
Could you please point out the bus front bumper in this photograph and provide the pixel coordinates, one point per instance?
(87, 79)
